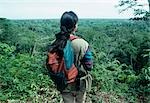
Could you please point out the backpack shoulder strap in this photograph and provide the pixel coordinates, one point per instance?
(73, 37)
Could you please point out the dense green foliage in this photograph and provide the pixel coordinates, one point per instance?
(121, 50)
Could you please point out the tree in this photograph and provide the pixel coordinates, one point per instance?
(8, 31)
(136, 7)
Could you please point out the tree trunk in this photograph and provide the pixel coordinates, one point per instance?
(33, 49)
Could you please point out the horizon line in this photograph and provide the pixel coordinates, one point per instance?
(56, 18)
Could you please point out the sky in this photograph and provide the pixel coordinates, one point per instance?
(47, 9)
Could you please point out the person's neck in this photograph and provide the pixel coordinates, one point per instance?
(73, 33)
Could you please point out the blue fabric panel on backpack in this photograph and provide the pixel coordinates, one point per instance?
(68, 55)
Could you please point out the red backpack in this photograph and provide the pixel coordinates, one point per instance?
(62, 70)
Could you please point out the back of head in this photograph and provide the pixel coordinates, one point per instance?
(68, 23)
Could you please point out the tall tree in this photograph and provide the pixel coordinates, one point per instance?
(136, 6)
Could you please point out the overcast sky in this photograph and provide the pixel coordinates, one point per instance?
(46, 9)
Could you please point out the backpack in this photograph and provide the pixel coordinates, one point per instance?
(62, 70)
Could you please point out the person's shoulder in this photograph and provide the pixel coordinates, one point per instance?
(79, 40)
(80, 45)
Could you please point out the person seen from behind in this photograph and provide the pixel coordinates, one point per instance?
(69, 61)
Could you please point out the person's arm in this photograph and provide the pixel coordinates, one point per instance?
(87, 61)
(83, 53)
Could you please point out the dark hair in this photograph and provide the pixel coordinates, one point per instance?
(68, 22)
